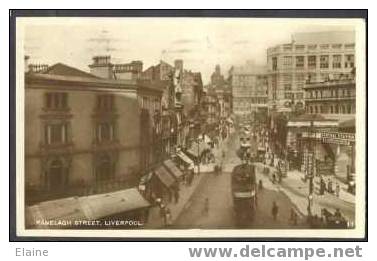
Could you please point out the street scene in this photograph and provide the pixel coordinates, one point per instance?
(150, 128)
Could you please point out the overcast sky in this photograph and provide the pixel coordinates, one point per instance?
(200, 42)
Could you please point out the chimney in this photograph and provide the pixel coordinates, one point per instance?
(178, 64)
(37, 68)
(137, 66)
(26, 63)
(102, 67)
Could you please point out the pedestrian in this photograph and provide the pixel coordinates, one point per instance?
(322, 187)
(162, 209)
(275, 210)
(206, 206)
(273, 178)
(337, 190)
(260, 185)
(329, 186)
(168, 218)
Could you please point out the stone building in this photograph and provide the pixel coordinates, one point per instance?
(83, 134)
(334, 98)
(249, 90)
(315, 56)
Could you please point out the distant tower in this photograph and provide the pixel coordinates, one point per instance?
(218, 70)
(178, 64)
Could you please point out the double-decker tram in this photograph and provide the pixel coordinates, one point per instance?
(243, 183)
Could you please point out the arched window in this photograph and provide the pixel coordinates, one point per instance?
(57, 175)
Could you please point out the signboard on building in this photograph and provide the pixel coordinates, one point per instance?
(340, 138)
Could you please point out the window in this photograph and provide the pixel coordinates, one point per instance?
(287, 61)
(274, 63)
(288, 95)
(299, 61)
(104, 132)
(287, 87)
(287, 47)
(56, 133)
(324, 46)
(56, 100)
(324, 61)
(349, 46)
(336, 46)
(300, 47)
(312, 47)
(337, 61)
(287, 78)
(349, 110)
(300, 96)
(105, 102)
(349, 61)
(312, 61)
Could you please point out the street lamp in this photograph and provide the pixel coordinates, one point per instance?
(310, 165)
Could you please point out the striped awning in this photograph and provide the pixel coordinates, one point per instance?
(164, 176)
(185, 158)
(177, 173)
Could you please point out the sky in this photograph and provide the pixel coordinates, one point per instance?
(200, 42)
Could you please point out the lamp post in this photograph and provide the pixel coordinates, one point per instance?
(198, 140)
(310, 167)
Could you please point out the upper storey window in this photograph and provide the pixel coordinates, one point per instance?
(56, 101)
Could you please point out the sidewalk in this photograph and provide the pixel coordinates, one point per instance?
(297, 190)
(185, 193)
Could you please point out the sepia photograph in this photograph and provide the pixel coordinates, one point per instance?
(190, 127)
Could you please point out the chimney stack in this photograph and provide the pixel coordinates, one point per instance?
(38, 68)
(26, 63)
(102, 67)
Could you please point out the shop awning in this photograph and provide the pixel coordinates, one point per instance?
(104, 205)
(185, 158)
(246, 194)
(173, 168)
(93, 207)
(146, 178)
(66, 209)
(163, 175)
(194, 150)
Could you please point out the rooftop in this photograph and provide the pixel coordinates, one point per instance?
(330, 37)
(250, 69)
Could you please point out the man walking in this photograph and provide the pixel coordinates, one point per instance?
(337, 190)
(275, 210)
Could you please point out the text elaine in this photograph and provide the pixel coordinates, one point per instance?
(30, 252)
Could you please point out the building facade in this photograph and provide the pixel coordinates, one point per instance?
(249, 90)
(332, 98)
(315, 56)
(76, 148)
